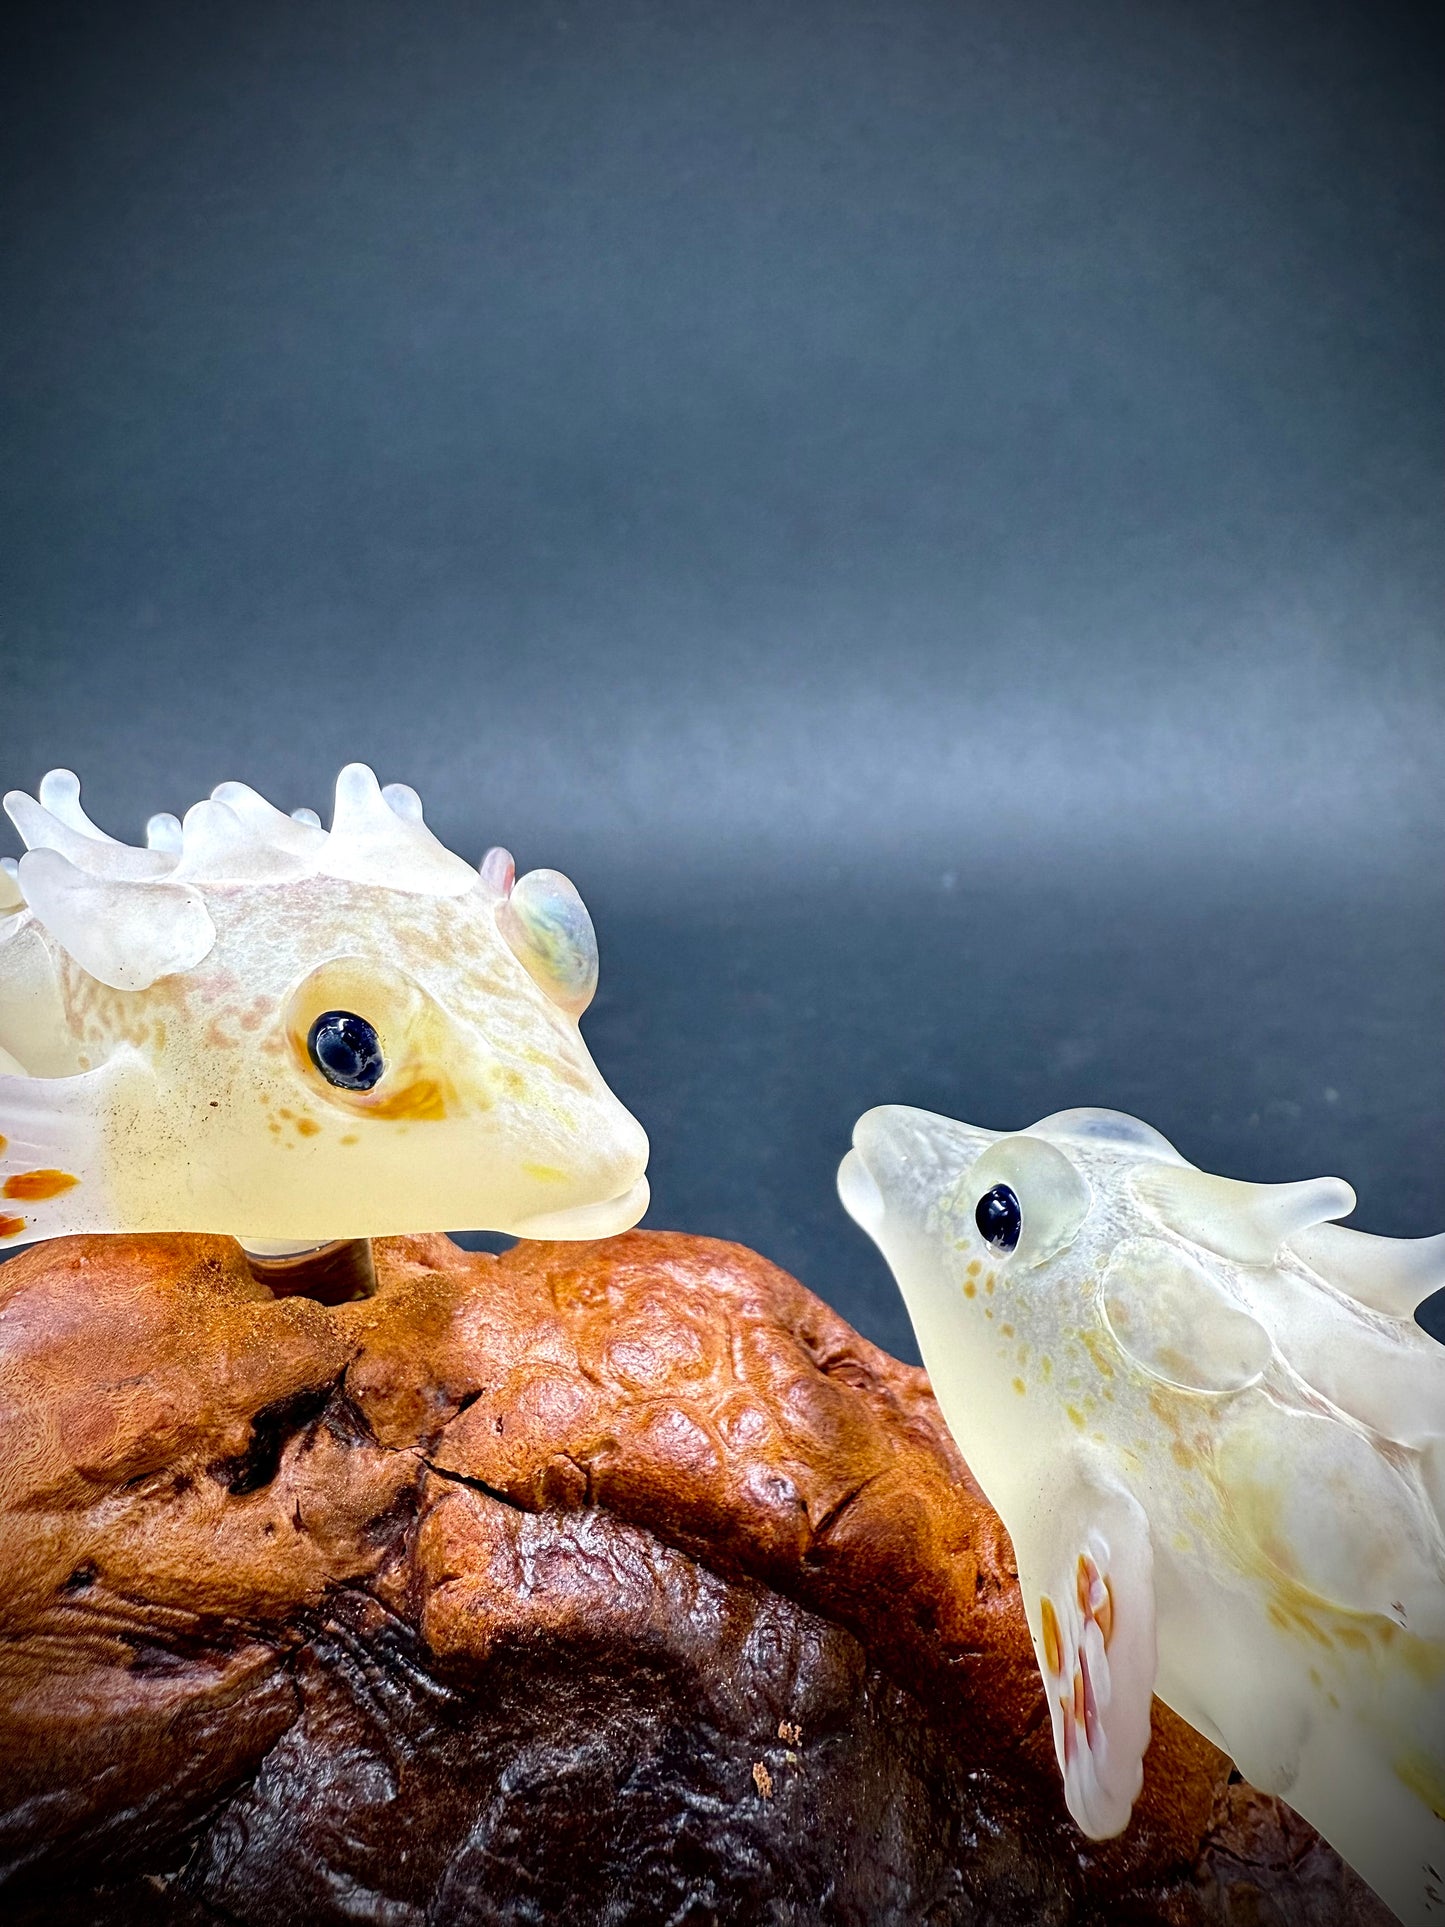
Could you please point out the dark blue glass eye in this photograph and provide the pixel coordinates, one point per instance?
(346, 1050)
(998, 1218)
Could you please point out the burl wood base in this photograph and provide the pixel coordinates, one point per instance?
(608, 1583)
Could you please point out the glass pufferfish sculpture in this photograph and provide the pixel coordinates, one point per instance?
(259, 1027)
(1216, 1435)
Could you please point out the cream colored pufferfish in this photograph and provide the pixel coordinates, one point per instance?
(1216, 1435)
(258, 1027)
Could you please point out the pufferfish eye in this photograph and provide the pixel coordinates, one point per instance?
(998, 1218)
(346, 1050)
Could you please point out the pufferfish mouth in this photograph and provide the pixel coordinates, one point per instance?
(859, 1192)
(602, 1220)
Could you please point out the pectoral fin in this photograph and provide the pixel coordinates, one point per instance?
(1086, 1567)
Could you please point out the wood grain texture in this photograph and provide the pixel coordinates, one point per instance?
(611, 1582)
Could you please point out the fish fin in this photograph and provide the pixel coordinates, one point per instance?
(378, 836)
(222, 843)
(1392, 1275)
(1333, 1512)
(1177, 1321)
(51, 1169)
(125, 934)
(57, 822)
(1086, 1568)
(1235, 1219)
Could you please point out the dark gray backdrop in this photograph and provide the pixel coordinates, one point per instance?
(930, 513)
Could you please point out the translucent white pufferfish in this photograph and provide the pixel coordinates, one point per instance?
(1216, 1435)
(258, 1027)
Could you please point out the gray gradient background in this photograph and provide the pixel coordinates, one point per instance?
(931, 514)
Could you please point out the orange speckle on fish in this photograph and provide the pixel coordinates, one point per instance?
(11, 1227)
(307, 1126)
(35, 1185)
(1095, 1596)
(970, 1289)
(1049, 1628)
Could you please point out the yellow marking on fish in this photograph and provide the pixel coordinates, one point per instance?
(423, 1099)
(1094, 1344)
(1424, 1778)
(11, 1227)
(545, 1173)
(1020, 1387)
(1293, 1619)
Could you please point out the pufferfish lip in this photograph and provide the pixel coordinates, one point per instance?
(602, 1220)
(859, 1192)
